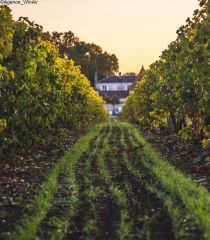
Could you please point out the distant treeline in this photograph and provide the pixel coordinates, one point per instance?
(90, 57)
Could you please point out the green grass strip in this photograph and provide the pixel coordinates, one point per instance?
(129, 162)
(178, 215)
(91, 192)
(62, 224)
(119, 196)
(42, 200)
(195, 198)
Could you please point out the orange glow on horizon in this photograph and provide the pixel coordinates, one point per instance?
(137, 31)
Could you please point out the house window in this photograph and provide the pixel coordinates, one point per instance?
(120, 87)
(104, 88)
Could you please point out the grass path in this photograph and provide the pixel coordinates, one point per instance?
(112, 185)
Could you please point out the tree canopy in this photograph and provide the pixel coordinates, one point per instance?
(40, 91)
(89, 56)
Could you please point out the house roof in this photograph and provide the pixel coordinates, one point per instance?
(141, 73)
(118, 79)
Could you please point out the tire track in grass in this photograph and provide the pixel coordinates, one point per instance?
(186, 202)
(28, 225)
(105, 210)
(150, 217)
(89, 228)
(55, 223)
(113, 162)
(144, 207)
(64, 204)
(96, 205)
(75, 231)
(123, 227)
(125, 181)
(184, 226)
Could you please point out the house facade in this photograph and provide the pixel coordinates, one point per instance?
(115, 90)
(115, 84)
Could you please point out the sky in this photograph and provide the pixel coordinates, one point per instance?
(136, 31)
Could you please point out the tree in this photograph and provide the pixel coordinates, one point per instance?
(40, 91)
(6, 35)
(89, 56)
(130, 74)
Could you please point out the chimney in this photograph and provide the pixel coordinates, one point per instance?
(95, 78)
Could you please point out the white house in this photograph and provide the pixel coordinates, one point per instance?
(115, 90)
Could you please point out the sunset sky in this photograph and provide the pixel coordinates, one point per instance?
(137, 31)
